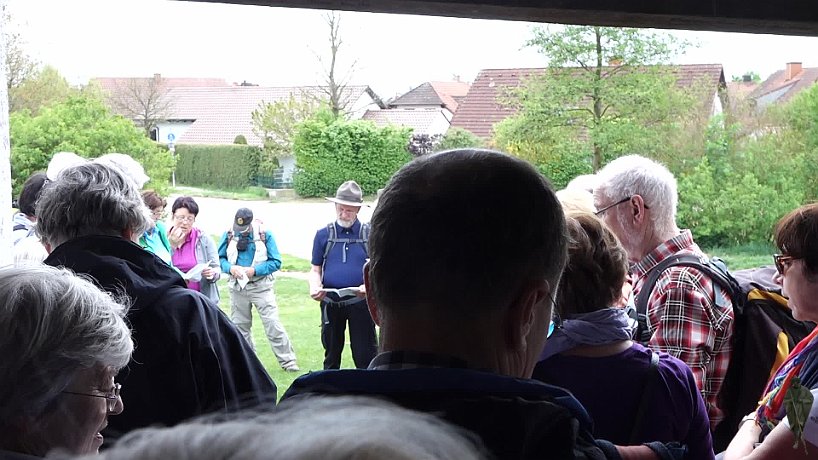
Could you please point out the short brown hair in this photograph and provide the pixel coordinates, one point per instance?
(596, 270)
(796, 235)
(153, 200)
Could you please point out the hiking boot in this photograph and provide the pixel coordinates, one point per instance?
(292, 367)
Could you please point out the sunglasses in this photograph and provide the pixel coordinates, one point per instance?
(782, 262)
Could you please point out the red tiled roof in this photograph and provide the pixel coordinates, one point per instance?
(435, 93)
(112, 84)
(777, 88)
(422, 121)
(482, 107)
(739, 91)
(223, 113)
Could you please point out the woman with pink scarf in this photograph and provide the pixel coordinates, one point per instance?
(192, 248)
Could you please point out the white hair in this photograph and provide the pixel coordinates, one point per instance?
(90, 199)
(636, 175)
(312, 427)
(587, 182)
(127, 165)
(576, 200)
(52, 325)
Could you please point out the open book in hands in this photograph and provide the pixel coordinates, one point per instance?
(342, 292)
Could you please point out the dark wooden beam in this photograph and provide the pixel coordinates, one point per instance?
(788, 17)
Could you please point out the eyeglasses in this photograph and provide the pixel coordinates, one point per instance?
(158, 213)
(782, 262)
(188, 219)
(111, 399)
(623, 200)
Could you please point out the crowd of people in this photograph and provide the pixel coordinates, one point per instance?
(506, 313)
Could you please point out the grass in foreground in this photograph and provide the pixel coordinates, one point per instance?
(302, 320)
(745, 256)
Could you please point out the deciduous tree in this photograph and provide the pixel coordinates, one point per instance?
(44, 88)
(143, 100)
(275, 123)
(20, 66)
(602, 94)
(336, 80)
(84, 125)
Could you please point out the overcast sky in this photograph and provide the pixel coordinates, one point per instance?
(278, 46)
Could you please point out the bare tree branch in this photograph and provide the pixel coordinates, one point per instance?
(335, 89)
(143, 100)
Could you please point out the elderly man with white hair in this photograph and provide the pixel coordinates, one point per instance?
(190, 359)
(637, 198)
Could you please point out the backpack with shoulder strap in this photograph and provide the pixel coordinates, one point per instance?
(363, 237)
(262, 235)
(764, 332)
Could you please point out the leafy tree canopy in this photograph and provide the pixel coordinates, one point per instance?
(45, 87)
(84, 125)
(276, 122)
(602, 95)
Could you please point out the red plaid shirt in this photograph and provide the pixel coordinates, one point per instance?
(684, 321)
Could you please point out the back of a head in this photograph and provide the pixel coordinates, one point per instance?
(576, 200)
(596, 269)
(30, 193)
(90, 199)
(636, 175)
(462, 231)
(132, 168)
(326, 428)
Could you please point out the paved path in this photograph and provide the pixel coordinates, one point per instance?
(293, 223)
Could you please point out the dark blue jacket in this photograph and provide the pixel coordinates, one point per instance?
(515, 418)
(189, 358)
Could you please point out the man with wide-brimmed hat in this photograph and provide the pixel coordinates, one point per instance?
(250, 255)
(339, 253)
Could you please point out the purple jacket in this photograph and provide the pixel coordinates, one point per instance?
(610, 389)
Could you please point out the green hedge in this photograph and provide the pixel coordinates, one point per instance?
(220, 166)
(330, 151)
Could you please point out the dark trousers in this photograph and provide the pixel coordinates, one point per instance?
(334, 319)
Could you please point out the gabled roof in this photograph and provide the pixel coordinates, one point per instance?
(422, 121)
(221, 114)
(434, 94)
(113, 84)
(482, 107)
(777, 88)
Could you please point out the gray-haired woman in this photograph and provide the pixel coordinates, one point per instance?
(62, 341)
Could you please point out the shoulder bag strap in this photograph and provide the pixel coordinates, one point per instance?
(647, 392)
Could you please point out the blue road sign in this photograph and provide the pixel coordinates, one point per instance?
(171, 137)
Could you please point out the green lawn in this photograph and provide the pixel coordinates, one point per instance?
(746, 256)
(301, 317)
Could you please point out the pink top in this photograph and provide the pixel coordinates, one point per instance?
(184, 257)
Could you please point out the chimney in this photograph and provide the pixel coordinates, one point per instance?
(793, 69)
(747, 78)
(157, 76)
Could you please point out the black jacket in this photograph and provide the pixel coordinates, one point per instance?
(515, 418)
(189, 358)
